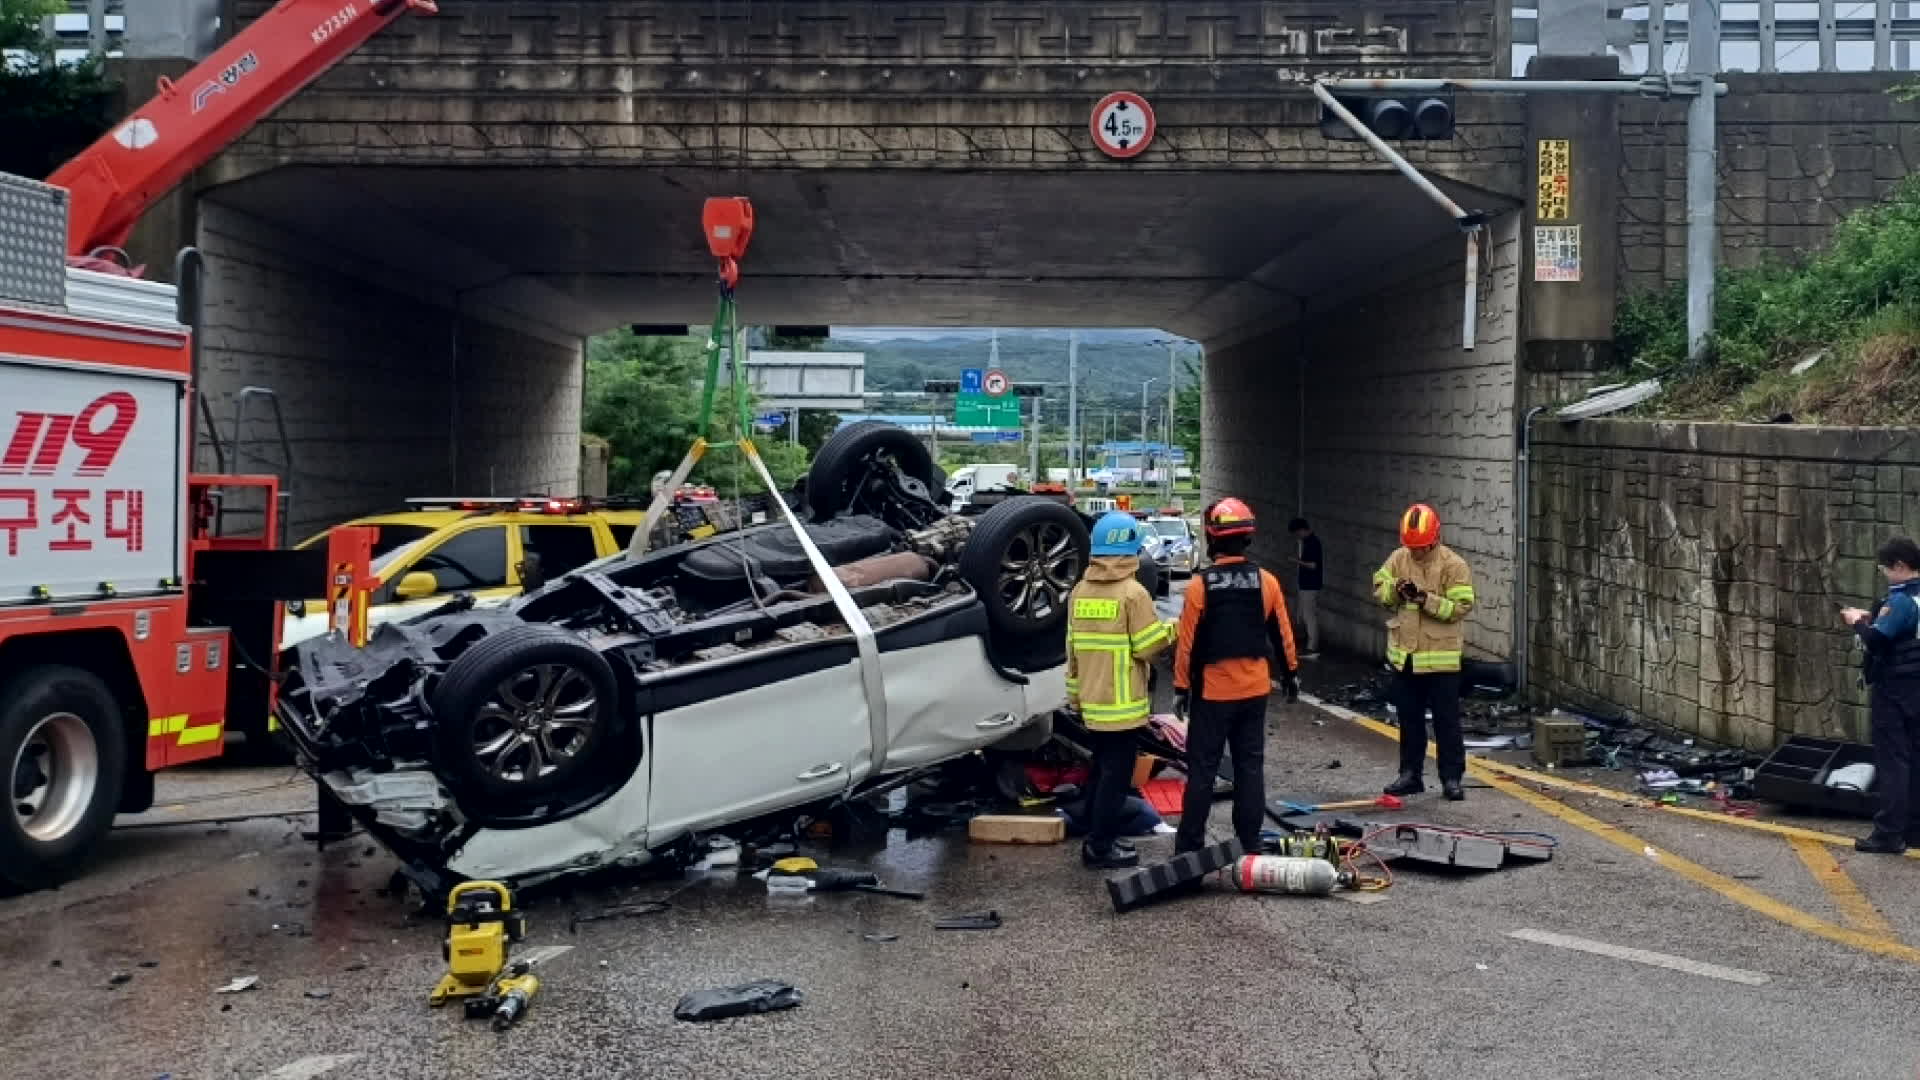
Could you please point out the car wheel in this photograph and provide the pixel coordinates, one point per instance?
(529, 714)
(1024, 557)
(64, 752)
(860, 457)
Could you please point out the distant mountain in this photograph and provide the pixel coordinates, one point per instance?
(1112, 363)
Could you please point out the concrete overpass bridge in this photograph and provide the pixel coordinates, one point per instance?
(412, 251)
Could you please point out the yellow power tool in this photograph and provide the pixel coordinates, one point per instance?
(481, 926)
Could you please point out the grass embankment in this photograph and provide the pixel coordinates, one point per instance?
(1854, 310)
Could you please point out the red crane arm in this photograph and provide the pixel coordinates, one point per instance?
(130, 168)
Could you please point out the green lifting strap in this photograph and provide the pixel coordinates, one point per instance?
(726, 328)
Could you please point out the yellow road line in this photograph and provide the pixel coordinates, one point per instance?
(1727, 887)
(1629, 798)
(1855, 909)
(1733, 890)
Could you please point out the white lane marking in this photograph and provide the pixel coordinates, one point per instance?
(1643, 956)
(1362, 897)
(309, 1067)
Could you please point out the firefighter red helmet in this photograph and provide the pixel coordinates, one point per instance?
(1229, 517)
(1419, 526)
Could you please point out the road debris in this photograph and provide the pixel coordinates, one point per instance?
(879, 939)
(120, 978)
(619, 911)
(319, 993)
(244, 982)
(760, 996)
(982, 920)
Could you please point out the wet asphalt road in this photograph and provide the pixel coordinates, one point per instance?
(1424, 983)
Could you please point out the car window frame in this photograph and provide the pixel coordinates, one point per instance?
(441, 538)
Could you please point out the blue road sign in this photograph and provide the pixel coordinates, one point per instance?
(970, 380)
(772, 419)
(996, 436)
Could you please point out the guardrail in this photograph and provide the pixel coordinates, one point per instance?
(1890, 25)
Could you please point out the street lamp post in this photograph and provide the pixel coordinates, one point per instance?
(1143, 426)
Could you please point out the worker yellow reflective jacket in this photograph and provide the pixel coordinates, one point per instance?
(1431, 632)
(1113, 632)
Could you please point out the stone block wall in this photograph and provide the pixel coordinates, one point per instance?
(1797, 153)
(1693, 573)
(958, 84)
(377, 406)
(1358, 411)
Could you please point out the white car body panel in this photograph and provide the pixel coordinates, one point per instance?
(731, 758)
(739, 755)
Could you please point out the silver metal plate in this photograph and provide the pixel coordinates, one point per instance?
(33, 242)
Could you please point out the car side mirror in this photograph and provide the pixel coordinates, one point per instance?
(416, 586)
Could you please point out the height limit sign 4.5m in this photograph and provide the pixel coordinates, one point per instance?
(1122, 125)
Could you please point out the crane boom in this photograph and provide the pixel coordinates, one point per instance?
(127, 170)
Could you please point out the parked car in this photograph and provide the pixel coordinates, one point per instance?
(439, 547)
(1171, 543)
(623, 707)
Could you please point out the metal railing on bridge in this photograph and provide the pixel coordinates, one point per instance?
(1762, 35)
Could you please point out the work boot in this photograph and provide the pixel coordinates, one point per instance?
(1880, 845)
(1453, 790)
(1125, 844)
(1112, 858)
(1408, 784)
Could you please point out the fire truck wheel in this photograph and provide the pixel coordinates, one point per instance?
(529, 715)
(65, 755)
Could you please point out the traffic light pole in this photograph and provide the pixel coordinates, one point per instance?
(1701, 85)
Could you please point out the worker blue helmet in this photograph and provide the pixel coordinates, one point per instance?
(1116, 533)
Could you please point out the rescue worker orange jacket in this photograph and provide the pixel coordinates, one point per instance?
(1242, 677)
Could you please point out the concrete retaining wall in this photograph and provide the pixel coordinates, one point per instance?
(1359, 411)
(1692, 573)
(378, 408)
(1797, 153)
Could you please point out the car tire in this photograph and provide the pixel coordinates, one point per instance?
(529, 716)
(1024, 556)
(64, 754)
(844, 459)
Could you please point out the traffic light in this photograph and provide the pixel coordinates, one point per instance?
(1392, 117)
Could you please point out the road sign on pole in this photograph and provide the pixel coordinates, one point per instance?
(970, 380)
(1122, 125)
(995, 383)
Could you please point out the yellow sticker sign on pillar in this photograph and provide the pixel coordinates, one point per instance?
(1555, 199)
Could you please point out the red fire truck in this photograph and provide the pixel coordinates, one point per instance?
(132, 631)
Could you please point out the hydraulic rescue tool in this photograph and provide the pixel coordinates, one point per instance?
(481, 927)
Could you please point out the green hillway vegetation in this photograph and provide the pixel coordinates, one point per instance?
(1853, 310)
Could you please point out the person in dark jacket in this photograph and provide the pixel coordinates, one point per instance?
(1233, 632)
(1891, 636)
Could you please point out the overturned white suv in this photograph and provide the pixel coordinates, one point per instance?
(617, 710)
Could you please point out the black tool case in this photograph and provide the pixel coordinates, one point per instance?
(1796, 774)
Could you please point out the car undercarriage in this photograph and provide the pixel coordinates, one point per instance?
(702, 686)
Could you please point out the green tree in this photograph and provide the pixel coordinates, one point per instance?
(21, 27)
(50, 113)
(1186, 413)
(643, 397)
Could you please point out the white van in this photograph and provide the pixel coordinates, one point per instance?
(970, 480)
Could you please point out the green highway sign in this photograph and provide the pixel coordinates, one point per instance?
(987, 411)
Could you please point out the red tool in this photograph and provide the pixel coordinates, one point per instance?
(1379, 802)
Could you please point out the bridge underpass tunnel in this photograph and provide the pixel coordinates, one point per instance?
(1330, 302)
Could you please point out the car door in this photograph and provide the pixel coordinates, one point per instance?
(744, 736)
(561, 546)
(467, 558)
(945, 696)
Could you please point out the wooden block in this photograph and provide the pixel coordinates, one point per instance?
(1015, 829)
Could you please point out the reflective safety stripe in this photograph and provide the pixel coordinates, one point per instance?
(1151, 636)
(166, 725)
(1383, 587)
(1461, 593)
(1431, 662)
(1443, 609)
(1098, 642)
(200, 734)
(1121, 713)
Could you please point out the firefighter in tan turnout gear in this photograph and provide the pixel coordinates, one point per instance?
(1113, 634)
(1430, 591)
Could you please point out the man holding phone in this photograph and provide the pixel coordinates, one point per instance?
(1429, 589)
(1891, 636)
